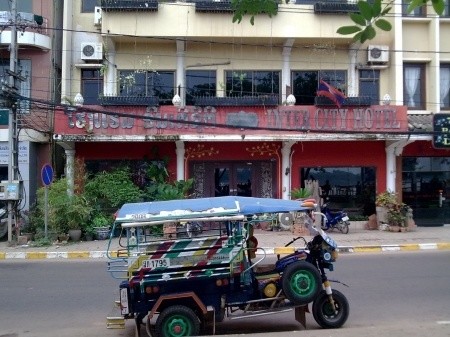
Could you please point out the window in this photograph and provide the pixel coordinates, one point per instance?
(91, 86)
(305, 83)
(369, 85)
(200, 83)
(148, 83)
(414, 86)
(446, 9)
(417, 12)
(243, 83)
(22, 6)
(88, 6)
(445, 86)
(345, 187)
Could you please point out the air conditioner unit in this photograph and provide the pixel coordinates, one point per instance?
(378, 54)
(91, 51)
(97, 16)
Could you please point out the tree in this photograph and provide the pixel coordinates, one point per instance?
(366, 20)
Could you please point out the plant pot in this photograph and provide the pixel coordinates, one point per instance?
(75, 234)
(382, 215)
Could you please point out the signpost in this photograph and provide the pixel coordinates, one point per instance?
(47, 178)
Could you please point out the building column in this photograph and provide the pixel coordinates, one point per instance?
(181, 75)
(180, 160)
(393, 150)
(352, 87)
(70, 174)
(110, 85)
(286, 170)
(286, 70)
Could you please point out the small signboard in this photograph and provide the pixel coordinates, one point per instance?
(47, 174)
(441, 131)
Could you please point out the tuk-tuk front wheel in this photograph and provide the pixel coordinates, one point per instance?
(327, 316)
(177, 321)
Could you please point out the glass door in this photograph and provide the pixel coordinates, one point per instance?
(233, 179)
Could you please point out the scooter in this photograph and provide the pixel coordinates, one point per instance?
(331, 220)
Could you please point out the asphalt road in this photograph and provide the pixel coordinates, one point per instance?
(401, 294)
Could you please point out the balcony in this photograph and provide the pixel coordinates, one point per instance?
(33, 30)
(263, 100)
(129, 101)
(129, 5)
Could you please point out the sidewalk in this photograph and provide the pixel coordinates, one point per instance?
(357, 240)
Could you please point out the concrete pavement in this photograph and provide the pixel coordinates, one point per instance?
(356, 241)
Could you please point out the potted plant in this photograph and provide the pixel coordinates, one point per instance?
(383, 203)
(300, 193)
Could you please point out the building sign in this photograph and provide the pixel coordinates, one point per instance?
(169, 120)
(441, 131)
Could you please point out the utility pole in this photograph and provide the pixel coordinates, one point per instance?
(12, 191)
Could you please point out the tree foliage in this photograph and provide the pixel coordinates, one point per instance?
(367, 20)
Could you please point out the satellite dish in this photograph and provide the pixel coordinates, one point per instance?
(286, 220)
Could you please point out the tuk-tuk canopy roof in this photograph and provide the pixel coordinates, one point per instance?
(204, 207)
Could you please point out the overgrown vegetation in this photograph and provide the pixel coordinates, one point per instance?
(97, 197)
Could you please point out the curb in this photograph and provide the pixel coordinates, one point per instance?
(268, 251)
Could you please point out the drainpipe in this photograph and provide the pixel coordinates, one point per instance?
(180, 159)
(285, 169)
(393, 150)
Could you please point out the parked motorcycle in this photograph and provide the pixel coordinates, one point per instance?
(331, 220)
(3, 222)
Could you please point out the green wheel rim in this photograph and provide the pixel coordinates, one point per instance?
(177, 326)
(303, 283)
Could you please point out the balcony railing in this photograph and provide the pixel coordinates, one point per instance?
(129, 5)
(263, 100)
(130, 100)
(334, 7)
(28, 21)
(212, 6)
(349, 101)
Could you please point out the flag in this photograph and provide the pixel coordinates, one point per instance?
(331, 92)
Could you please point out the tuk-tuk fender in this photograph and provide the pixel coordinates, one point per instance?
(164, 298)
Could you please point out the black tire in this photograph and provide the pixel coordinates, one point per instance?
(177, 321)
(301, 282)
(324, 314)
(343, 227)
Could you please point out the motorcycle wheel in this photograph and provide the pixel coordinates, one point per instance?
(301, 282)
(343, 226)
(323, 313)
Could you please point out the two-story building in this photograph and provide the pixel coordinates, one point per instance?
(235, 106)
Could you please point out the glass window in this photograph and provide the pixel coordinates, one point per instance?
(23, 69)
(445, 86)
(148, 83)
(200, 83)
(414, 86)
(417, 12)
(306, 82)
(88, 6)
(447, 8)
(369, 85)
(91, 86)
(252, 83)
(345, 187)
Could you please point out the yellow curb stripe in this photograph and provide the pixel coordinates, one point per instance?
(36, 255)
(2, 255)
(77, 255)
(443, 245)
(410, 247)
(366, 249)
(283, 250)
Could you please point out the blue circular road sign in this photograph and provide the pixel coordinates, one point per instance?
(47, 174)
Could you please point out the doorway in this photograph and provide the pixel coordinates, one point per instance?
(247, 179)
